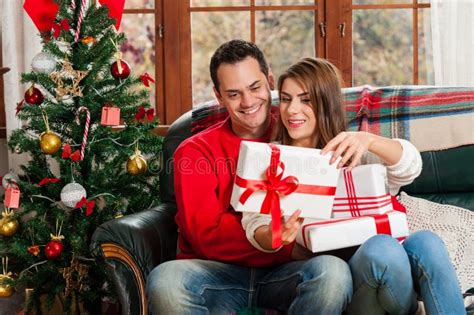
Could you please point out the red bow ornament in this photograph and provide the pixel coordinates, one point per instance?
(88, 203)
(76, 156)
(146, 79)
(63, 25)
(141, 112)
(48, 180)
(43, 12)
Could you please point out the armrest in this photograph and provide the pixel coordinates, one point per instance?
(131, 247)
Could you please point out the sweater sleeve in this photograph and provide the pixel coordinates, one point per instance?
(251, 222)
(207, 225)
(406, 169)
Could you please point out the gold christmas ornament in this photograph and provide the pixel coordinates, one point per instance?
(6, 289)
(50, 142)
(8, 225)
(136, 164)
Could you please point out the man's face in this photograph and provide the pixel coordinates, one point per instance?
(245, 91)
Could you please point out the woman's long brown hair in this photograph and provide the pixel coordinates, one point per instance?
(323, 82)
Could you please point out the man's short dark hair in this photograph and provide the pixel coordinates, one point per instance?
(233, 52)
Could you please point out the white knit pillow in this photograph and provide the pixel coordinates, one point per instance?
(453, 224)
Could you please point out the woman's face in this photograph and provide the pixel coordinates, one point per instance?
(296, 113)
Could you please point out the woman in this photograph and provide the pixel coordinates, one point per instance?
(387, 275)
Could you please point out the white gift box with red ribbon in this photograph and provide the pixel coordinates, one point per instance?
(313, 179)
(278, 180)
(362, 191)
(324, 235)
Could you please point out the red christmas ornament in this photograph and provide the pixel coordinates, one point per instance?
(53, 249)
(34, 96)
(120, 69)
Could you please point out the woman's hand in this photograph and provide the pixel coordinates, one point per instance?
(350, 146)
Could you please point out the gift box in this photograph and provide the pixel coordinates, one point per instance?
(12, 197)
(362, 191)
(324, 235)
(110, 116)
(294, 177)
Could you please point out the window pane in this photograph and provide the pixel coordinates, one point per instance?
(382, 47)
(284, 2)
(219, 3)
(139, 49)
(208, 31)
(425, 48)
(139, 4)
(382, 1)
(285, 37)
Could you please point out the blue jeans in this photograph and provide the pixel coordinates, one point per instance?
(320, 285)
(387, 275)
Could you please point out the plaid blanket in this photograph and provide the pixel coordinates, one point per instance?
(432, 118)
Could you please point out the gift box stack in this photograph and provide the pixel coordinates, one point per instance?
(363, 207)
(342, 208)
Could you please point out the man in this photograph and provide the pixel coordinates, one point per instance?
(218, 271)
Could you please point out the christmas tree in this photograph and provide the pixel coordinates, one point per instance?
(92, 154)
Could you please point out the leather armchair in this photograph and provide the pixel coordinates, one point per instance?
(133, 245)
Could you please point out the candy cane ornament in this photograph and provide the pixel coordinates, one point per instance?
(73, 4)
(80, 19)
(86, 128)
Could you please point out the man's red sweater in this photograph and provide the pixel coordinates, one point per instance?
(209, 228)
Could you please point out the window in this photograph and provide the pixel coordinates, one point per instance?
(378, 42)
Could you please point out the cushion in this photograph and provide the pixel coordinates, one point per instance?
(453, 224)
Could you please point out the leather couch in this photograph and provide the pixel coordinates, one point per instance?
(133, 245)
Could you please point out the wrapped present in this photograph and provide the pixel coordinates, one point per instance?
(277, 179)
(12, 197)
(324, 235)
(362, 191)
(110, 116)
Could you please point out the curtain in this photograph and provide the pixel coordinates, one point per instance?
(20, 42)
(452, 25)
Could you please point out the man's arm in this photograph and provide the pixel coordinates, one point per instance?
(213, 231)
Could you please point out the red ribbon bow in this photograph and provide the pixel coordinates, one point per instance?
(48, 180)
(141, 112)
(146, 79)
(76, 156)
(273, 185)
(88, 203)
(43, 12)
(63, 25)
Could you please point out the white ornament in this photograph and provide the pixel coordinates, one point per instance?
(9, 179)
(72, 193)
(43, 63)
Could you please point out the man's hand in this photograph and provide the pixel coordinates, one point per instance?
(290, 227)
